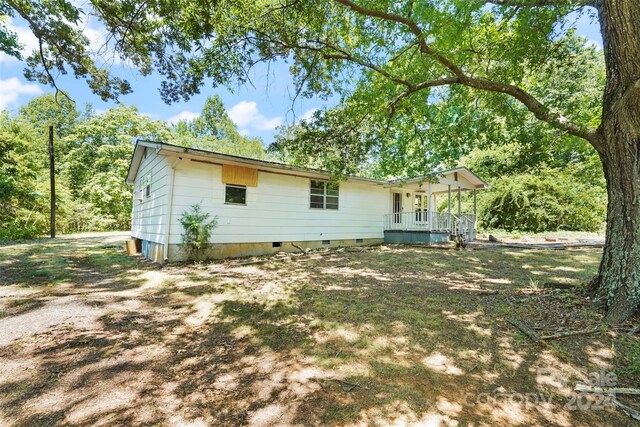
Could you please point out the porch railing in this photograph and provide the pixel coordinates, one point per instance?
(463, 224)
(432, 221)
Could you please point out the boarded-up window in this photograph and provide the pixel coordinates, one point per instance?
(237, 175)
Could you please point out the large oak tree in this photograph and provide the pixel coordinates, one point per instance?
(414, 46)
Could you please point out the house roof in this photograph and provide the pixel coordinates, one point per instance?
(268, 166)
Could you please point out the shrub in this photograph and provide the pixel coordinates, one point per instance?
(197, 231)
(550, 200)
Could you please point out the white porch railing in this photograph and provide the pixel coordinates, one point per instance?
(464, 224)
(430, 221)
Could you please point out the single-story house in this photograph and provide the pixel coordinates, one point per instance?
(264, 207)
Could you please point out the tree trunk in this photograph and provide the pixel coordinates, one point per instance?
(618, 282)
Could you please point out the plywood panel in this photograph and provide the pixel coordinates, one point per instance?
(239, 176)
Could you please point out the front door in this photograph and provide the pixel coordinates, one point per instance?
(420, 207)
(397, 208)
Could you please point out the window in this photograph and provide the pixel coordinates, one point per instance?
(145, 191)
(235, 194)
(326, 242)
(276, 244)
(324, 195)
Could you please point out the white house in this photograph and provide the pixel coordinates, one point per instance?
(264, 207)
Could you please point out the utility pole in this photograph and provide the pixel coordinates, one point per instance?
(52, 179)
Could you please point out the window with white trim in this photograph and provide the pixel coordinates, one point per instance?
(235, 194)
(324, 195)
(145, 188)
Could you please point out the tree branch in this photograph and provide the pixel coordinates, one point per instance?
(37, 32)
(413, 27)
(46, 69)
(543, 3)
(415, 88)
(539, 110)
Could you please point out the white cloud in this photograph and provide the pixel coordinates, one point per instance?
(593, 43)
(184, 115)
(12, 88)
(267, 124)
(247, 116)
(25, 37)
(308, 114)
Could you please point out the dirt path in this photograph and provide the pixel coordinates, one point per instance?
(374, 336)
(63, 311)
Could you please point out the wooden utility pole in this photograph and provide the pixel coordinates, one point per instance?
(52, 179)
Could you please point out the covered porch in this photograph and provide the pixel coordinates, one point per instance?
(419, 214)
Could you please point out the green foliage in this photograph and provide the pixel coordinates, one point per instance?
(332, 140)
(47, 109)
(96, 166)
(197, 227)
(371, 132)
(564, 190)
(23, 207)
(59, 26)
(213, 130)
(547, 201)
(9, 42)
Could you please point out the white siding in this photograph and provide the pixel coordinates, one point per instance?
(149, 216)
(278, 208)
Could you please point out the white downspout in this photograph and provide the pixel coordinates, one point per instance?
(167, 236)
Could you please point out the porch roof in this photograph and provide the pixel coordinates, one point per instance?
(457, 177)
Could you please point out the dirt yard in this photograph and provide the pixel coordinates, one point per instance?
(387, 335)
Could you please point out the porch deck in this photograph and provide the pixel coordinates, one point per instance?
(427, 227)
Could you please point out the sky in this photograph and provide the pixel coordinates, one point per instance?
(257, 109)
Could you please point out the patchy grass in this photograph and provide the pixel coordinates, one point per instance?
(367, 336)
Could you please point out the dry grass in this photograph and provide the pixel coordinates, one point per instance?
(374, 336)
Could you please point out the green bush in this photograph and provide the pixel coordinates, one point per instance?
(550, 200)
(197, 231)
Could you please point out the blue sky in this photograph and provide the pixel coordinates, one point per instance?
(257, 109)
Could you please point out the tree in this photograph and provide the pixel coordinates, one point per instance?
(23, 201)
(414, 47)
(214, 130)
(95, 168)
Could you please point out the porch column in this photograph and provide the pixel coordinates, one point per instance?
(459, 210)
(430, 207)
(475, 210)
(434, 214)
(449, 207)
